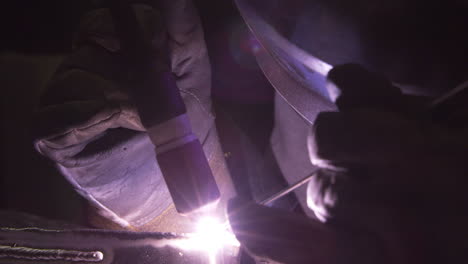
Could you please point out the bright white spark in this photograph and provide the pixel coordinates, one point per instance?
(211, 236)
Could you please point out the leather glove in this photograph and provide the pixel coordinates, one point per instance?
(386, 169)
(88, 125)
(389, 189)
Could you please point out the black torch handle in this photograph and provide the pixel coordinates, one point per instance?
(179, 154)
(150, 81)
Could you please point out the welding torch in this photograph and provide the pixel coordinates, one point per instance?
(152, 86)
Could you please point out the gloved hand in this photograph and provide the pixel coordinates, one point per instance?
(387, 169)
(88, 125)
(390, 185)
(272, 235)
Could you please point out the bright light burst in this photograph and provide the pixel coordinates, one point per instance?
(211, 236)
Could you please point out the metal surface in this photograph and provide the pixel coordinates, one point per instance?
(295, 74)
(301, 41)
(21, 245)
(36, 254)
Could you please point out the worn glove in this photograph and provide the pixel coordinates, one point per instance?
(388, 170)
(390, 188)
(89, 127)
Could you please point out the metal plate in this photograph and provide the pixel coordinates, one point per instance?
(296, 75)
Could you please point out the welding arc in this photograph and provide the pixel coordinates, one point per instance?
(288, 189)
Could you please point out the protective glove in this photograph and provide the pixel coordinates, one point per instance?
(272, 235)
(88, 125)
(389, 189)
(388, 170)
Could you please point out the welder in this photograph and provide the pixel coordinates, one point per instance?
(388, 173)
(389, 161)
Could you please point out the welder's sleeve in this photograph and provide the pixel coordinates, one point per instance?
(89, 127)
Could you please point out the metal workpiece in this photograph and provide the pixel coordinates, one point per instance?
(38, 254)
(32, 244)
(297, 75)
